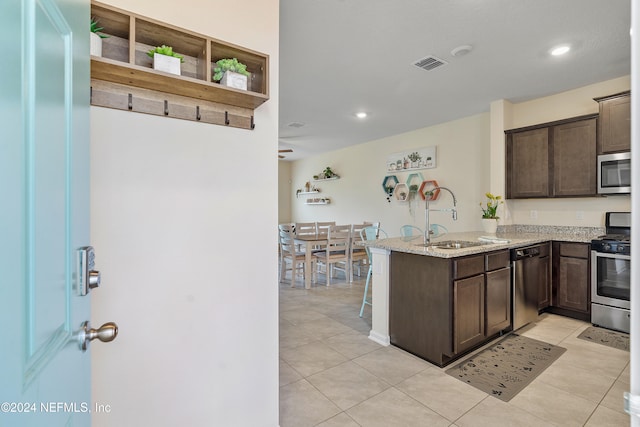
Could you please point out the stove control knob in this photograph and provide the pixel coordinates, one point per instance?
(606, 247)
(620, 248)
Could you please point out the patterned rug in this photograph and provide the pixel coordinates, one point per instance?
(507, 367)
(614, 339)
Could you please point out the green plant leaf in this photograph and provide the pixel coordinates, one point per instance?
(228, 64)
(165, 50)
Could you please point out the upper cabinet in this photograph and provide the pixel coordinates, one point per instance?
(125, 69)
(614, 134)
(554, 159)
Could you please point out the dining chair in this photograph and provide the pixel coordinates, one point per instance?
(288, 254)
(357, 254)
(286, 227)
(322, 228)
(438, 230)
(304, 229)
(410, 232)
(369, 233)
(336, 251)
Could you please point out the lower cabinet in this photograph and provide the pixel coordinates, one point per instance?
(572, 280)
(544, 285)
(440, 308)
(468, 312)
(498, 301)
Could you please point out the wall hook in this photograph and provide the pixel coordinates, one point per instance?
(226, 118)
(130, 105)
(253, 125)
(166, 107)
(90, 94)
(198, 116)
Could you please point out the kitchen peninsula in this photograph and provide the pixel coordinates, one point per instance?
(441, 301)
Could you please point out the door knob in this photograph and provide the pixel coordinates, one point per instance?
(105, 333)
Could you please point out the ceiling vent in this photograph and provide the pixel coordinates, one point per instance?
(429, 63)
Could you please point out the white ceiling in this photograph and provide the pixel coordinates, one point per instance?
(338, 57)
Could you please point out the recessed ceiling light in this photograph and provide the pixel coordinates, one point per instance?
(361, 115)
(560, 50)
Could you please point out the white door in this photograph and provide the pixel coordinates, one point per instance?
(44, 212)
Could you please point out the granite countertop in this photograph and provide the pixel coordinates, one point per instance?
(513, 238)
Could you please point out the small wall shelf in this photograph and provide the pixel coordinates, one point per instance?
(425, 186)
(333, 178)
(401, 192)
(124, 64)
(307, 192)
(389, 181)
(318, 201)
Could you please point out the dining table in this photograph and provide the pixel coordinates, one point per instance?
(310, 242)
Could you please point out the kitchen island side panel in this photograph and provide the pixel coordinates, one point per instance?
(420, 306)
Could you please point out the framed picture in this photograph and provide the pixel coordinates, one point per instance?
(421, 158)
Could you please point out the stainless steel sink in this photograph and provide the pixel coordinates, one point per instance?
(452, 244)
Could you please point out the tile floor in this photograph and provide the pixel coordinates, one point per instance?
(331, 374)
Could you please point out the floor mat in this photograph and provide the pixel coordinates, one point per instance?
(507, 367)
(614, 339)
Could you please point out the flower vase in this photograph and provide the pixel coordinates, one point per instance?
(490, 225)
(234, 80)
(95, 44)
(168, 64)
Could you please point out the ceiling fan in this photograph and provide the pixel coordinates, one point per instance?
(288, 150)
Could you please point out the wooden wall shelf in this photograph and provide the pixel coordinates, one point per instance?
(124, 61)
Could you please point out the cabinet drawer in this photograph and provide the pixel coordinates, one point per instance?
(497, 260)
(575, 250)
(466, 267)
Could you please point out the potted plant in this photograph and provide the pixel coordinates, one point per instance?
(165, 59)
(95, 38)
(413, 190)
(415, 158)
(389, 189)
(231, 73)
(328, 173)
(490, 213)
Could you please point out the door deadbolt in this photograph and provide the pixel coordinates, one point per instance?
(88, 277)
(105, 333)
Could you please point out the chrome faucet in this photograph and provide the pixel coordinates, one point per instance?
(454, 213)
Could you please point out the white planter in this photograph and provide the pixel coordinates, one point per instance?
(168, 64)
(490, 225)
(95, 44)
(234, 80)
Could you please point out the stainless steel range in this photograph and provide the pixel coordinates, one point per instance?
(611, 274)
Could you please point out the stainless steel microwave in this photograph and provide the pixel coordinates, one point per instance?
(614, 173)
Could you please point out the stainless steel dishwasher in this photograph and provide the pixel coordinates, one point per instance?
(526, 271)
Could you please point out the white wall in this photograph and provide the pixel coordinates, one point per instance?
(284, 192)
(471, 161)
(462, 157)
(173, 213)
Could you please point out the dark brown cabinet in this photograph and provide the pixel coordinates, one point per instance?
(468, 312)
(544, 285)
(614, 134)
(556, 159)
(528, 164)
(571, 279)
(440, 308)
(497, 292)
(574, 158)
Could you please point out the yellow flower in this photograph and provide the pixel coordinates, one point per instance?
(492, 206)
